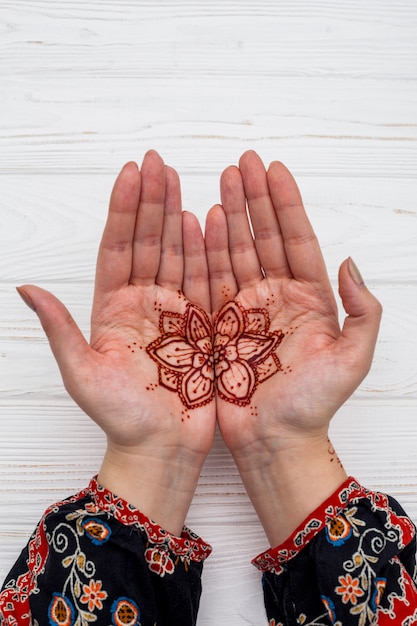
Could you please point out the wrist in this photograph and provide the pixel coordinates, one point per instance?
(160, 482)
(289, 479)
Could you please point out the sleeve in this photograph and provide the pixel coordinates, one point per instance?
(93, 558)
(352, 561)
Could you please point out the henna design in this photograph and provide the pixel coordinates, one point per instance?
(333, 456)
(242, 356)
(184, 354)
(244, 352)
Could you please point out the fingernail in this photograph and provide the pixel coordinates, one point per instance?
(355, 273)
(25, 298)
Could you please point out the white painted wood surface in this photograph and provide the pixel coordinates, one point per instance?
(330, 88)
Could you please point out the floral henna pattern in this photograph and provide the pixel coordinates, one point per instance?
(244, 352)
(242, 355)
(184, 354)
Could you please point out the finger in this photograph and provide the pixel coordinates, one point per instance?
(245, 261)
(67, 342)
(268, 237)
(149, 221)
(114, 262)
(302, 249)
(223, 285)
(195, 284)
(361, 326)
(170, 273)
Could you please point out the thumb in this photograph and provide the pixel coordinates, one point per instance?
(361, 326)
(67, 342)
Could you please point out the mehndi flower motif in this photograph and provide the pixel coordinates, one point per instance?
(184, 354)
(244, 352)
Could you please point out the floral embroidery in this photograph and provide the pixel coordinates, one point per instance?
(361, 530)
(72, 537)
(93, 595)
(184, 354)
(79, 583)
(244, 352)
(159, 561)
(349, 589)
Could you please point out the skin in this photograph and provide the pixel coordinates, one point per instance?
(153, 258)
(149, 252)
(280, 441)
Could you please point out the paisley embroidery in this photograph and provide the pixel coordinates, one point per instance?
(338, 530)
(99, 532)
(125, 612)
(61, 611)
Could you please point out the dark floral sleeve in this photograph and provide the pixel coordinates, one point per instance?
(352, 562)
(95, 559)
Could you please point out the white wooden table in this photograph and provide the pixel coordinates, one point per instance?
(330, 88)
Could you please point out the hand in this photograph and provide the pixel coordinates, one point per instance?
(283, 365)
(151, 303)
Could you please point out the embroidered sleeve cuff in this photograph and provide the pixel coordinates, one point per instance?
(188, 546)
(274, 559)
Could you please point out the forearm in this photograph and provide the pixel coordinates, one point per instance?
(287, 480)
(160, 483)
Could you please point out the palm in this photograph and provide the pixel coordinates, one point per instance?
(132, 357)
(277, 279)
(151, 275)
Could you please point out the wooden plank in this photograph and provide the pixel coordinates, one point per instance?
(144, 38)
(82, 124)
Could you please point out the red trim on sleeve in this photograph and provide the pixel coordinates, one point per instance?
(348, 493)
(188, 545)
